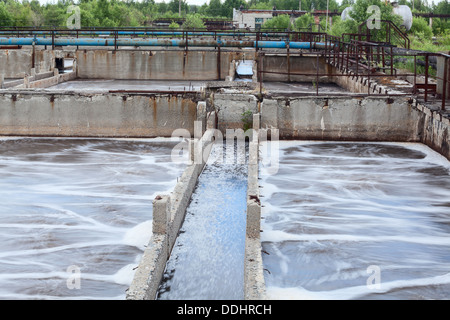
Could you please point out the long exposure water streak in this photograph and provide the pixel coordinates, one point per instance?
(356, 221)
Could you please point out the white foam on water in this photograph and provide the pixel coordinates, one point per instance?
(78, 202)
(335, 208)
(356, 292)
(139, 235)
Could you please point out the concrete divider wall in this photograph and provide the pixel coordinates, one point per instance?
(342, 118)
(294, 64)
(168, 216)
(230, 108)
(34, 113)
(434, 129)
(154, 65)
(17, 63)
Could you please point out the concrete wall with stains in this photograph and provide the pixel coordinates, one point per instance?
(341, 118)
(45, 114)
(17, 63)
(154, 65)
(287, 67)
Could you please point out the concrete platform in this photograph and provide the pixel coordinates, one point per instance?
(303, 87)
(147, 85)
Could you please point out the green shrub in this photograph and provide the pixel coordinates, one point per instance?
(173, 25)
(282, 22)
(421, 29)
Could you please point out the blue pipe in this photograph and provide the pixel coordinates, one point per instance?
(158, 42)
(144, 33)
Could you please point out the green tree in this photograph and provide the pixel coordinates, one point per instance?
(173, 6)
(304, 22)
(215, 8)
(228, 5)
(54, 15)
(421, 28)
(343, 26)
(6, 18)
(193, 21)
(281, 22)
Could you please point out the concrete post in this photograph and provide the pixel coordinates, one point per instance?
(253, 217)
(231, 72)
(200, 125)
(2, 79)
(211, 120)
(26, 82)
(161, 214)
(191, 150)
(253, 153)
(256, 121)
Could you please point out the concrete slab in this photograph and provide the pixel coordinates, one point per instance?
(147, 85)
(302, 87)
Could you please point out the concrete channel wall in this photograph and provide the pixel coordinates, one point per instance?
(30, 112)
(254, 283)
(155, 65)
(168, 216)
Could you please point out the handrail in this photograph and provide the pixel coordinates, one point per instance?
(389, 33)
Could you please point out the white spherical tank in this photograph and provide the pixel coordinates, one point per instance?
(406, 14)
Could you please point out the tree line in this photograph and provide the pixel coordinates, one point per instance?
(132, 13)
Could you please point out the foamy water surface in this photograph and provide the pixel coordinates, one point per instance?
(76, 214)
(356, 221)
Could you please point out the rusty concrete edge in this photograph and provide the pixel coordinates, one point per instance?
(151, 268)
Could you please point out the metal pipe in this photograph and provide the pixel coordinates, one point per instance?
(144, 33)
(158, 42)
